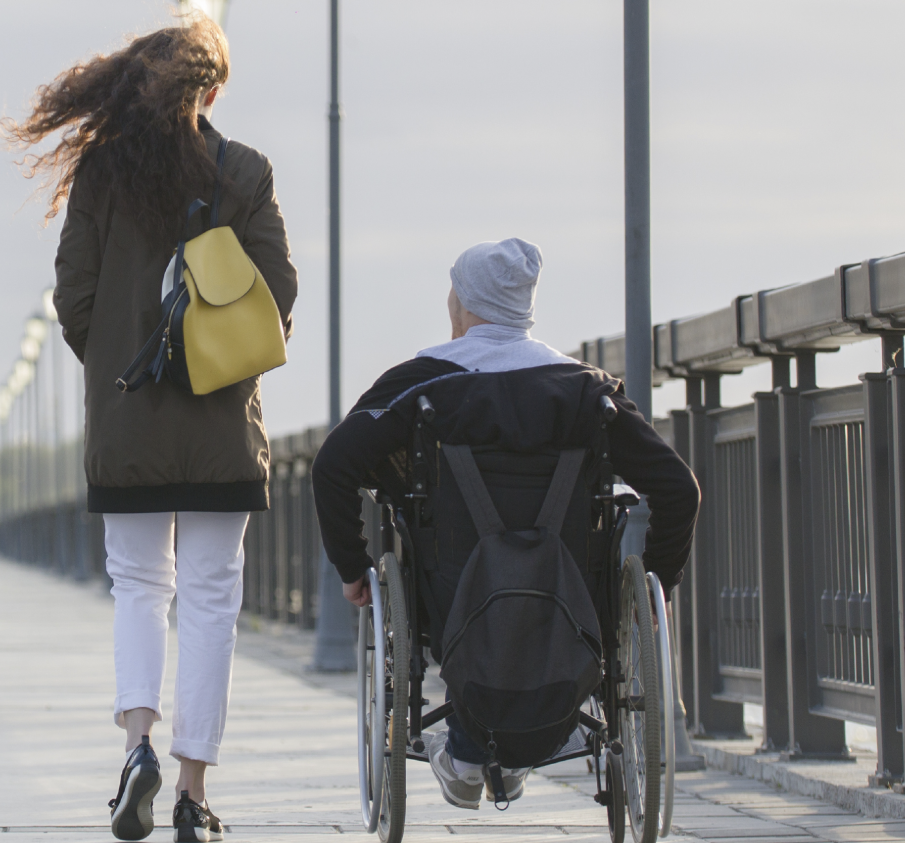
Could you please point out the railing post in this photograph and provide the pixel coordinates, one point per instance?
(279, 489)
(683, 619)
(711, 717)
(683, 630)
(897, 463)
(770, 572)
(809, 734)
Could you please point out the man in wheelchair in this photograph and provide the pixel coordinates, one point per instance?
(517, 405)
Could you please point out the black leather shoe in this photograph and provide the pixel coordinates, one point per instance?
(132, 811)
(195, 823)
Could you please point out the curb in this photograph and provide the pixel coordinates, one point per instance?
(870, 801)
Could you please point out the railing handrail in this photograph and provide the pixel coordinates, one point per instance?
(857, 302)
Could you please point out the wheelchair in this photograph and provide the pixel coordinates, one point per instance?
(619, 727)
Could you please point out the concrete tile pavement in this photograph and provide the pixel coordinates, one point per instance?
(289, 763)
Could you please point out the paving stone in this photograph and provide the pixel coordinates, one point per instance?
(845, 820)
(862, 832)
(817, 809)
(741, 829)
(801, 839)
(704, 809)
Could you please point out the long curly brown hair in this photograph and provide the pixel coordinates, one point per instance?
(129, 124)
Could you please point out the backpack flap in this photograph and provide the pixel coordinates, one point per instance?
(219, 267)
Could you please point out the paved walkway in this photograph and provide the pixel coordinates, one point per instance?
(289, 760)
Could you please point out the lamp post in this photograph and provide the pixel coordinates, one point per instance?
(215, 9)
(638, 328)
(334, 650)
(58, 541)
(637, 203)
(636, 87)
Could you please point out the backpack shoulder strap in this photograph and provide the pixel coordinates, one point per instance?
(218, 184)
(474, 491)
(553, 512)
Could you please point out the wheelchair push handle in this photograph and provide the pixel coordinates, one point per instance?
(428, 413)
(608, 408)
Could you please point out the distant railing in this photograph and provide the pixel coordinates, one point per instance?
(793, 594)
(283, 545)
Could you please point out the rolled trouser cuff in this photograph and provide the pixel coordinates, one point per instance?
(185, 750)
(136, 699)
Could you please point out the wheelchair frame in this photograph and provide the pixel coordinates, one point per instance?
(627, 776)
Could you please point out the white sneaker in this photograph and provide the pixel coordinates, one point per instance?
(460, 789)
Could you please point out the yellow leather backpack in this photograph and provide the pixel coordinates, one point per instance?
(220, 323)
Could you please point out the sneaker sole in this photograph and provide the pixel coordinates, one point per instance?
(190, 834)
(471, 806)
(132, 819)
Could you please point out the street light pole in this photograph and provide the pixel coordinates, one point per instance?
(636, 58)
(334, 647)
(216, 10)
(334, 119)
(638, 328)
(636, 86)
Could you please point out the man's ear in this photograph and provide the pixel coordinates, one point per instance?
(211, 96)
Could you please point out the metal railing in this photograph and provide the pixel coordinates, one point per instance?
(793, 594)
(794, 591)
(736, 543)
(282, 545)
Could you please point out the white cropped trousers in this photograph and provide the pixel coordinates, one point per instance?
(198, 556)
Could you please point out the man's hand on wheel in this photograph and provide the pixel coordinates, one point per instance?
(358, 592)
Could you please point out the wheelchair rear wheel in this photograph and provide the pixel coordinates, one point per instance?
(639, 703)
(383, 679)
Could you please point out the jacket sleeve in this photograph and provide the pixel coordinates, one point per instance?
(351, 454)
(651, 467)
(267, 244)
(78, 265)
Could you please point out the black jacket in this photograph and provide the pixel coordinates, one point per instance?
(522, 410)
(162, 449)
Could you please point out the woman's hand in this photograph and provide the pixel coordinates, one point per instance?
(358, 592)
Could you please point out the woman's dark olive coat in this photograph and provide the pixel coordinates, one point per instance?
(161, 449)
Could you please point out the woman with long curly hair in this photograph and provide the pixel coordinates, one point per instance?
(135, 149)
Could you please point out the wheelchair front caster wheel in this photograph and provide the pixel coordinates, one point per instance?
(615, 809)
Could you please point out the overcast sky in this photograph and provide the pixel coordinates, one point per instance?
(778, 150)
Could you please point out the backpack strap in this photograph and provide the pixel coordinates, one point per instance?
(553, 512)
(218, 184)
(474, 490)
(124, 383)
(158, 338)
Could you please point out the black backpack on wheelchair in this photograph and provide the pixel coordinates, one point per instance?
(521, 646)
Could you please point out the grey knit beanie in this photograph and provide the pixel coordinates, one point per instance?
(497, 281)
